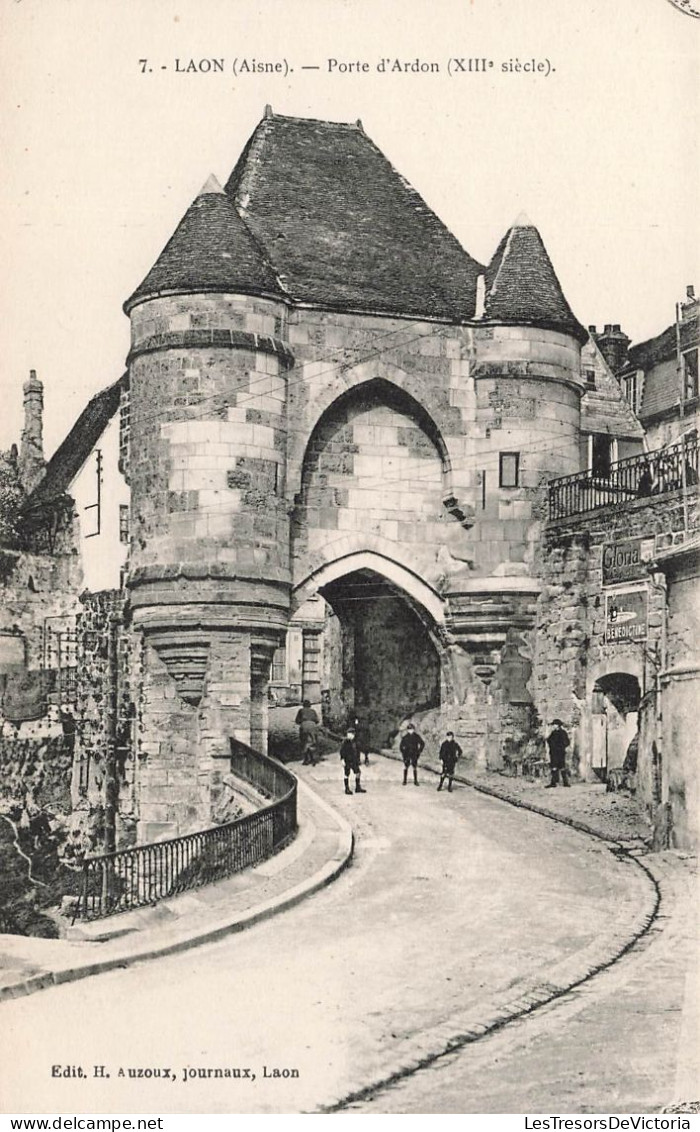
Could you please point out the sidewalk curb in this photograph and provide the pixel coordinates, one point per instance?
(328, 872)
(531, 994)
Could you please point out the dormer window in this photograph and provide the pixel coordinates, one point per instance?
(690, 374)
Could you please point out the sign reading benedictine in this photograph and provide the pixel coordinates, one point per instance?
(624, 561)
(626, 616)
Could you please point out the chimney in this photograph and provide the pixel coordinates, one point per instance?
(31, 452)
(613, 343)
(690, 293)
(480, 302)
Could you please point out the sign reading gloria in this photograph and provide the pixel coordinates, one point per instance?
(624, 561)
(626, 616)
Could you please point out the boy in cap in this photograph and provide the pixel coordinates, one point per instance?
(350, 754)
(411, 746)
(450, 751)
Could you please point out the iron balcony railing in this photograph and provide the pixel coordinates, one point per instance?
(638, 477)
(145, 874)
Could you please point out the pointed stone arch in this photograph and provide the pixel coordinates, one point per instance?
(359, 552)
(378, 380)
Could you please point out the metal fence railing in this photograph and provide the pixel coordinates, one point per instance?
(649, 474)
(145, 874)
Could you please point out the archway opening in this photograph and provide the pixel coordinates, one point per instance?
(615, 717)
(380, 657)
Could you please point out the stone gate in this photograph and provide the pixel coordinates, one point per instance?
(329, 395)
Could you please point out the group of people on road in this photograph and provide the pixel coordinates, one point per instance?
(411, 747)
(354, 748)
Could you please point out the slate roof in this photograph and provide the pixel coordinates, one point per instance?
(342, 228)
(522, 288)
(662, 348)
(210, 250)
(656, 357)
(315, 213)
(70, 456)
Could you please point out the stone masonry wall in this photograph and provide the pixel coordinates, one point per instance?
(184, 751)
(405, 386)
(208, 435)
(397, 670)
(571, 653)
(484, 391)
(369, 470)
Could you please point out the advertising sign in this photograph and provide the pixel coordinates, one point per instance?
(624, 561)
(626, 616)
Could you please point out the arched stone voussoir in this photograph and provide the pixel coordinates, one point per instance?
(440, 420)
(368, 553)
(629, 663)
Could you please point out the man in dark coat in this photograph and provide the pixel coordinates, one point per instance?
(350, 754)
(450, 751)
(307, 722)
(558, 741)
(411, 746)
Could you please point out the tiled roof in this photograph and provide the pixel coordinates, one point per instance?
(662, 348)
(70, 456)
(210, 250)
(657, 358)
(342, 228)
(522, 287)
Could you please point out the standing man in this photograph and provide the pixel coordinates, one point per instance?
(307, 722)
(350, 754)
(558, 741)
(450, 751)
(411, 746)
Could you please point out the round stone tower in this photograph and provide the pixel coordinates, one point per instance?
(528, 389)
(209, 572)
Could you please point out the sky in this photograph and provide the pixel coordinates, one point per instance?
(103, 154)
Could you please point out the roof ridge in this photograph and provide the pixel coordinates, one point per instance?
(503, 257)
(356, 125)
(262, 251)
(74, 449)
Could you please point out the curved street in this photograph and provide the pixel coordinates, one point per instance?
(453, 902)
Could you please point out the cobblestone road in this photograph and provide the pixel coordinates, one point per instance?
(626, 1042)
(453, 901)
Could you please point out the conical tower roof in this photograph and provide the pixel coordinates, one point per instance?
(522, 288)
(210, 250)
